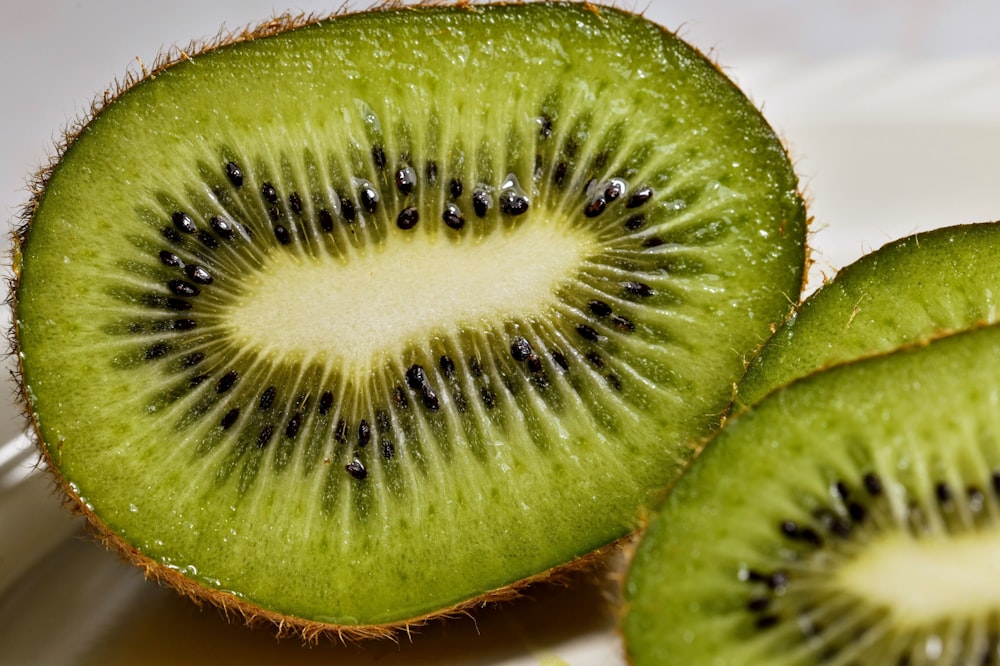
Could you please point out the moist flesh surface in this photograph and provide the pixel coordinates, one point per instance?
(364, 320)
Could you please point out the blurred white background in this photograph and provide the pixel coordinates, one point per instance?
(891, 109)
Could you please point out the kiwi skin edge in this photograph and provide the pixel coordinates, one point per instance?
(229, 604)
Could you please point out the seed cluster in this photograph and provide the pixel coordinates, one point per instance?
(206, 252)
(799, 597)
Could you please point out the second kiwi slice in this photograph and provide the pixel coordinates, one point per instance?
(848, 518)
(348, 323)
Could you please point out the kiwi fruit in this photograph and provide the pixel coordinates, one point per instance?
(915, 288)
(850, 517)
(343, 324)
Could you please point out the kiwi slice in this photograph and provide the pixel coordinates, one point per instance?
(912, 289)
(849, 518)
(349, 323)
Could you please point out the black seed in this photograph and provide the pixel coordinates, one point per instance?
(595, 207)
(429, 398)
(856, 512)
(623, 324)
(192, 359)
(635, 222)
(156, 350)
(325, 403)
(615, 188)
(595, 359)
(453, 217)
(873, 484)
(652, 241)
(544, 127)
(274, 213)
(170, 259)
(534, 363)
(171, 235)
(292, 428)
(340, 432)
(840, 490)
(399, 397)
(347, 209)
(639, 197)
(759, 604)
(184, 324)
(559, 174)
(995, 482)
(364, 433)
(481, 202)
(767, 621)
(269, 193)
(431, 172)
(295, 203)
(489, 398)
(198, 273)
(230, 418)
(356, 469)
(267, 398)
(325, 220)
(234, 173)
(388, 449)
(197, 380)
(416, 378)
(475, 367)
(407, 218)
(447, 366)
(208, 240)
(833, 523)
(178, 304)
(587, 333)
(183, 222)
(599, 308)
(455, 187)
(513, 203)
(560, 359)
(796, 532)
(369, 198)
(281, 233)
(378, 157)
(753, 576)
(614, 381)
(406, 178)
(222, 227)
(638, 289)
(227, 381)
(182, 288)
(520, 348)
(265, 435)
(943, 492)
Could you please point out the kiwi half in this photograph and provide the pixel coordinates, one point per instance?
(861, 528)
(910, 290)
(348, 323)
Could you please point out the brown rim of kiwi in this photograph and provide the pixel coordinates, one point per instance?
(251, 612)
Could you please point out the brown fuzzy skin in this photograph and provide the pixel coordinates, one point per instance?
(229, 604)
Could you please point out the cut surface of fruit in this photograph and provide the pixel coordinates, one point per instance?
(358, 322)
(861, 527)
(916, 288)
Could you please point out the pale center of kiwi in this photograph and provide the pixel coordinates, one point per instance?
(408, 289)
(928, 579)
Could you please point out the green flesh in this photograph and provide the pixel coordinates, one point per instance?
(893, 463)
(473, 479)
(910, 290)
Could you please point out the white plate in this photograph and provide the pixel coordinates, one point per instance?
(895, 128)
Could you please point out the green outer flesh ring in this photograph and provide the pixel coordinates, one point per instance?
(274, 550)
(912, 289)
(912, 416)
